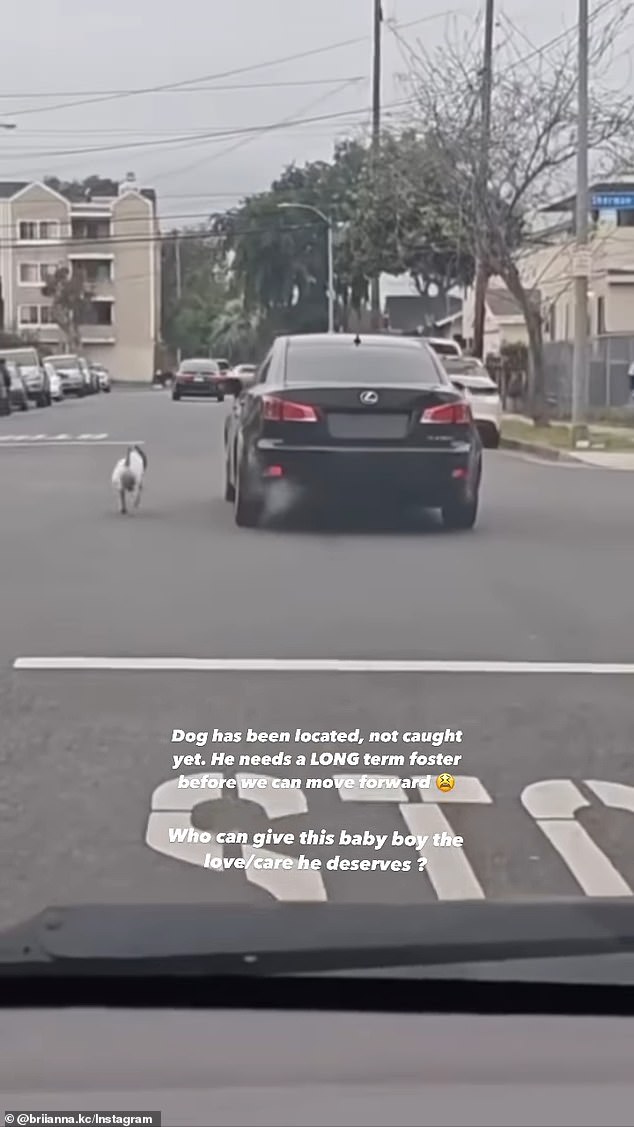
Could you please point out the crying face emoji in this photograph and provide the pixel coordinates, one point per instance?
(445, 783)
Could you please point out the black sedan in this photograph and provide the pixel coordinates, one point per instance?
(338, 417)
(199, 378)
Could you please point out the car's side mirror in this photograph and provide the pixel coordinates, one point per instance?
(233, 386)
(459, 386)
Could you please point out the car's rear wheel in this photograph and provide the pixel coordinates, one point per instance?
(247, 504)
(493, 440)
(24, 405)
(460, 513)
(176, 395)
(221, 398)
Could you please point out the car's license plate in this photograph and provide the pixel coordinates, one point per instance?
(367, 426)
(199, 379)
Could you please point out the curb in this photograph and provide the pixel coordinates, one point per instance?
(546, 453)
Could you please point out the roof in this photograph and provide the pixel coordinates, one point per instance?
(376, 340)
(568, 203)
(9, 188)
(408, 311)
(501, 303)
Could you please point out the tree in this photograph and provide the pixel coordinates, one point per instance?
(404, 221)
(187, 317)
(71, 305)
(78, 190)
(532, 149)
(237, 334)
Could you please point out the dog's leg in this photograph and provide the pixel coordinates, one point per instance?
(122, 501)
(137, 499)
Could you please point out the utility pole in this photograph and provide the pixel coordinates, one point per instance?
(482, 180)
(582, 258)
(375, 290)
(179, 283)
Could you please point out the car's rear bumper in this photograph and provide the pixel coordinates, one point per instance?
(427, 477)
(198, 390)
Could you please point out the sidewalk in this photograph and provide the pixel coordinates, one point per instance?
(552, 443)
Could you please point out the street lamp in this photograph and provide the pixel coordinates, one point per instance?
(331, 269)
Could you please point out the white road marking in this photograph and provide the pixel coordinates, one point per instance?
(357, 793)
(171, 807)
(318, 665)
(285, 884)
(553, 803)
(277, 802)
(467, 789)
(619, 796)
(449, 872)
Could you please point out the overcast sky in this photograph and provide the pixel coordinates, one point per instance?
(56, 52)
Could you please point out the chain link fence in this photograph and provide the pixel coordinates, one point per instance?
(609, 384)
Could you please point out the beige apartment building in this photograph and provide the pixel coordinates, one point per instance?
(114, 241)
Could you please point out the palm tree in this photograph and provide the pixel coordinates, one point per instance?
(236, 333)
(70, 305)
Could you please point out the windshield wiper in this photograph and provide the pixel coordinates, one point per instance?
(305, 939)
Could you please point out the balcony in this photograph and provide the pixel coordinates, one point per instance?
(96, 274)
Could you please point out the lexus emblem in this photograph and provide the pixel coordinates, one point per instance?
(369, 397)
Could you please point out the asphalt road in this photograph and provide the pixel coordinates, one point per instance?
(544, 577)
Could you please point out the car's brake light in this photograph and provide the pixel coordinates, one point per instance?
(451, 413)
(278, 410)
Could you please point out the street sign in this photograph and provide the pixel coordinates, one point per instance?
(582, 264)
(612, 201)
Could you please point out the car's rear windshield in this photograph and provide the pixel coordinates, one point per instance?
(350, 363)
(222, 365)
(194, 366)
(443, 349)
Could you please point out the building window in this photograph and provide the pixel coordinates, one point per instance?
(35, 315)
(90, 229)
(93, 271)
(38, 230)
(29, 314)
(103, 312)
(35, 273)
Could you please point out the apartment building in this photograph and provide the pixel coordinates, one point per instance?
(113, 241)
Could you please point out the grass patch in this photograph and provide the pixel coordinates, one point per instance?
(558, 435)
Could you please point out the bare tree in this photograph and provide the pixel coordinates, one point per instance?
(533, 144)
(70, 304)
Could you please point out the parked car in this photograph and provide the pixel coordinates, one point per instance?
(32, 372)
(442, 346)
(199, 378)
(55, 382)
(70, 373)
(18, 393)
(224, 366)
(103, 376)
(91, 381)
(5, 399)
(470, 376)
(246, 373)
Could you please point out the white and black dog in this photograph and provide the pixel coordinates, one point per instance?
(128, 475)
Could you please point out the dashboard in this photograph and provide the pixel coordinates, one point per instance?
(241, 1068)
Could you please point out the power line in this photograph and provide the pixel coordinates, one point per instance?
(188, 83)
(185, 90)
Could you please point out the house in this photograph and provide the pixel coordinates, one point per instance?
(504, 321)
(113, 240)
(548, 262)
